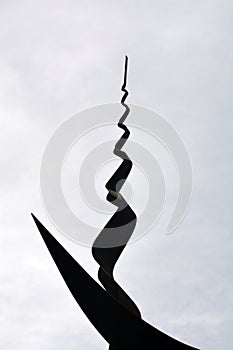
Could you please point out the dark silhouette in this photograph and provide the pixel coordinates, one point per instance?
(120, 227)
(111, 311)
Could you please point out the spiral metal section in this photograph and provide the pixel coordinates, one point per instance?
(123, 220)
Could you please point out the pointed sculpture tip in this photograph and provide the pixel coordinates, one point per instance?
(37, 222)
(34, 218)
(125, 70)
(126, 60)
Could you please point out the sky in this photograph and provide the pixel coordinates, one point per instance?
(61, 57)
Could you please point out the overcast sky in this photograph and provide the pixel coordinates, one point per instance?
(60, 57)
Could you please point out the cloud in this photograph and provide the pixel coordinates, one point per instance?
(58, 58)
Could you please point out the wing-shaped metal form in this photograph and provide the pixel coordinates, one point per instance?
(118, 326)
